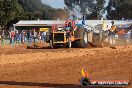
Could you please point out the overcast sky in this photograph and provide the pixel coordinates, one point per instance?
(55, 3)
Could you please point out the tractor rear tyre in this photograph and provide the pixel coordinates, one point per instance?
(83, 34)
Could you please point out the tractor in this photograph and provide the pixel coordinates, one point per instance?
(69, 35)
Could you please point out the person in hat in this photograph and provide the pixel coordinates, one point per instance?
(112, 33)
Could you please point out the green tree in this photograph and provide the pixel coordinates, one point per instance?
(93, 9)
(118, 9)
(9, 10)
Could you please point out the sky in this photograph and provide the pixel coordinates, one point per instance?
(55, 3)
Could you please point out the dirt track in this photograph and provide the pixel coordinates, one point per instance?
(61, 68)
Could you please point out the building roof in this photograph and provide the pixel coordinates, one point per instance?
(38, 22)
(62, 22)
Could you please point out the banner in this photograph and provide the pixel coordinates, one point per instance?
(43, 29)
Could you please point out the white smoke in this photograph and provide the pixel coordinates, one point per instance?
(76, 11)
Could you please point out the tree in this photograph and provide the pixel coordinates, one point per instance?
(118, 9)
(90, 8)
(9, 10)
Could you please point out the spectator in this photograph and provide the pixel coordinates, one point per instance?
(128, 36)
(17, 37)
(39, 37)
(23, 36)
(12, 37)
(28, 36)
(35, 35)
(44, 36)
(20, 38)
(112, 23)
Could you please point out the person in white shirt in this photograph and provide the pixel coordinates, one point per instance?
(128, 36)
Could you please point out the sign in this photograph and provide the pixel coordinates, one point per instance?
(86, 82)
(44, 29)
